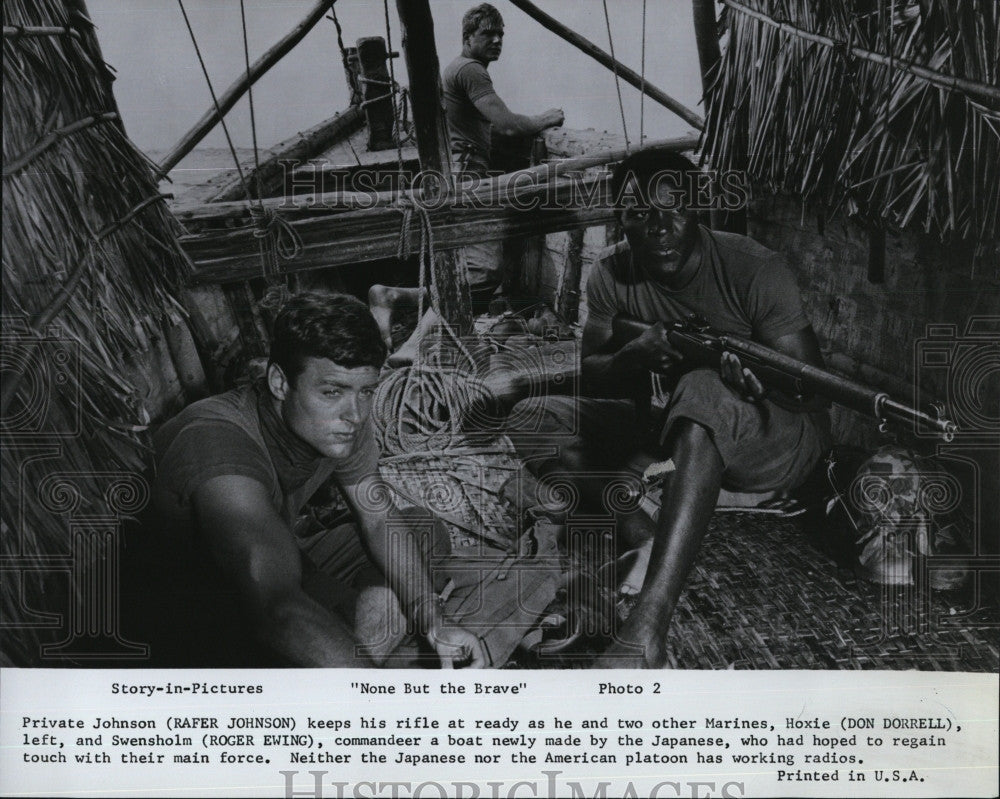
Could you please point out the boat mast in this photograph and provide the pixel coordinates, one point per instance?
(454, 301)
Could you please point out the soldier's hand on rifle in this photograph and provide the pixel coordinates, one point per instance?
(741, 380)
(654, 350)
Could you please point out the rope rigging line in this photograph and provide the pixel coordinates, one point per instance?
(340, 41)
(614, 68)
(253, 116)
(215, 101)
(277, 238)
(642, 70)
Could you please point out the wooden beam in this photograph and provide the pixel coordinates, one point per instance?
(450, 290)
(356, 236)
(226, 261)
(296, 149)
(625, 73)
(240, 87)
(426, 97)
(338, 202)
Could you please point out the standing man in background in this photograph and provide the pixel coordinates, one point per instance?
(473, 110)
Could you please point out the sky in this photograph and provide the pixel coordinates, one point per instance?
(161, 91)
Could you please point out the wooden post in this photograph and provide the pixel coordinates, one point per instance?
(454, 302)
(568, 301)
(706, 36)
(377, 92)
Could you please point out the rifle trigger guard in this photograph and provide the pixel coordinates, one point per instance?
(883, 423)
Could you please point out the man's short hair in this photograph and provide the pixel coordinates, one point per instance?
(476, 16)
(640, 172)
(325, 325)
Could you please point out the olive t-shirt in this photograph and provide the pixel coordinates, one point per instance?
(741, 288)
(464, 81)
(223, 435)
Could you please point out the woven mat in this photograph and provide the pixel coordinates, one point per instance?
(761, 596)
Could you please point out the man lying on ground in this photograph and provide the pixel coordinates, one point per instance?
(719, 428)
(239, 467)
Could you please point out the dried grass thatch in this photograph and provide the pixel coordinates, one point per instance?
(891, 108)
(90, 266)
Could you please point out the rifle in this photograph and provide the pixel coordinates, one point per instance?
(702, 345)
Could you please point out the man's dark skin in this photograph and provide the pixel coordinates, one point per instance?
(666, 245)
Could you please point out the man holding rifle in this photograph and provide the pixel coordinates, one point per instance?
(720, 428)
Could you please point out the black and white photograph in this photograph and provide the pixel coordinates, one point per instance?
(601, 398)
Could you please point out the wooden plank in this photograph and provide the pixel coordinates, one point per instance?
(330, 242)
(298, 148)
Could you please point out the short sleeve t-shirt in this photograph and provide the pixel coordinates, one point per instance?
(741, 288)
(465, 81)
(222, 435)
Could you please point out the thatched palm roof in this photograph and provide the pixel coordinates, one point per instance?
(90, 263)
(890, 108)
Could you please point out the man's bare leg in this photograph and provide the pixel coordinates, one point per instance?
(690, 494)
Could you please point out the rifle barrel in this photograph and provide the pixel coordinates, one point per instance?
(790, 374)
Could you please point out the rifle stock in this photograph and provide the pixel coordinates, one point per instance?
(702, 345)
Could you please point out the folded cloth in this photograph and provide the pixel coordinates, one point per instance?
(502, 596)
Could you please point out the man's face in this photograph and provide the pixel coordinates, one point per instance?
(662, 236)
(486, 43)
(327, 405)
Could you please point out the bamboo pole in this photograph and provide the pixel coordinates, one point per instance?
(240, 86)
(981, 91)
(625, 73)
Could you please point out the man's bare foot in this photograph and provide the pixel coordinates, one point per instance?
(380, 302)
(639, 645)
(407, 354)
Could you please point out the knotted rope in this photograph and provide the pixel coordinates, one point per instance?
(277, 238)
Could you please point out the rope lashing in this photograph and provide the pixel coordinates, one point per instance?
(16, 164)
(276, 236)
(15, 32)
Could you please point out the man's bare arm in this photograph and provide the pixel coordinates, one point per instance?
(255, 547)
(610, 371)
(507, 123)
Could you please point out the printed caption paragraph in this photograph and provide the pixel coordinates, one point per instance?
(338, 734)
